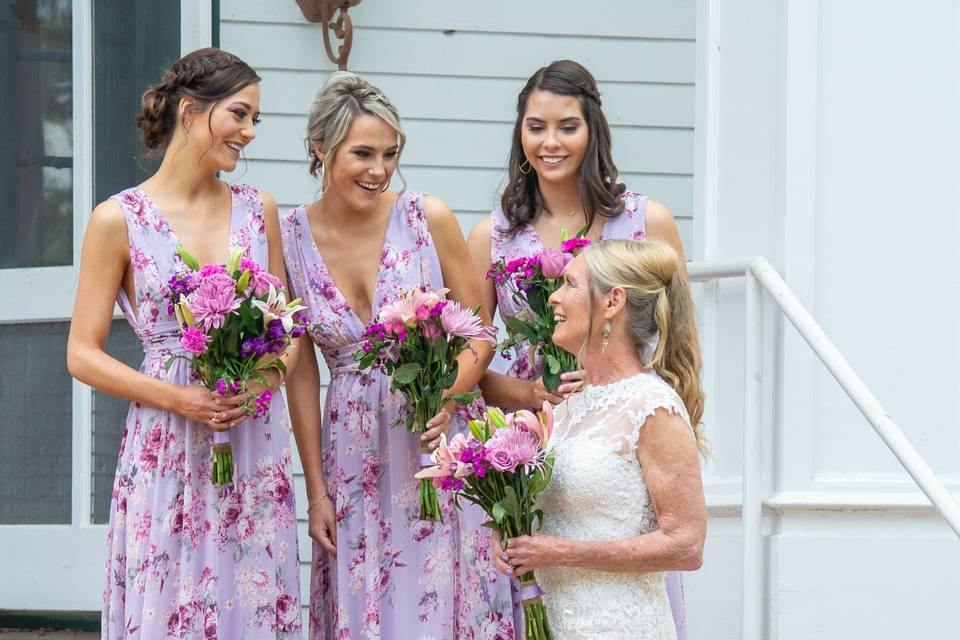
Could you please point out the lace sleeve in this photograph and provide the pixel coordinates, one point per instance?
(660, 396)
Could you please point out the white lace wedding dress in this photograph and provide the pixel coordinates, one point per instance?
(598, 493)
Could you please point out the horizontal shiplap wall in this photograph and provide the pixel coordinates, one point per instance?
(454, 68)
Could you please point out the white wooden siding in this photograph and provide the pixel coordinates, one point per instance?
(454, 68)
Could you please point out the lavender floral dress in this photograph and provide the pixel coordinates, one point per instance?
(629, 224)
(185, 558)
(394, 576)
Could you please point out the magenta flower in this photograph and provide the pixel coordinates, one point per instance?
(464, 323)
(552, 263)
(573, 245)
(211, 269)
(194, 341)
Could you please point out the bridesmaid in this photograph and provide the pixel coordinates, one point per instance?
(185, 558)
(561, 175)
(378, 571)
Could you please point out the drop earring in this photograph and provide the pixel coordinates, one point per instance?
(525, 162)
(604, 337)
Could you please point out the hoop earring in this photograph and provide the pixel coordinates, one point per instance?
(527, 162)
(604, 337)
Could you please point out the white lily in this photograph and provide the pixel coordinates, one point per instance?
(276, 307)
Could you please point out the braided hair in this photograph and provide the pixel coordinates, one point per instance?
(206, 75)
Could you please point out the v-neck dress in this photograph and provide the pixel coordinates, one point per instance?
(186, 558)
(394, 576)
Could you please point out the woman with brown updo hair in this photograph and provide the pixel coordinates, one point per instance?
(561, 175)
(187, 558)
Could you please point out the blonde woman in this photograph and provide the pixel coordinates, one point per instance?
(626, 501)
(378, 571)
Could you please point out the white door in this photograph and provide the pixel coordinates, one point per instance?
(70, 141)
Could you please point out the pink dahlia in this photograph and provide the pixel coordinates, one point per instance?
(213, 300)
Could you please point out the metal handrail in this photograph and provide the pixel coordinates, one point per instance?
(758, 272)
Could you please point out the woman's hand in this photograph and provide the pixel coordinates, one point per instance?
(569, 382)
(539, 394)
(199, 404)
(438, 424)
(498, 556)
(323, 525)
(529, 553)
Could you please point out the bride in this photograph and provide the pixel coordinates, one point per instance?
(626, 500)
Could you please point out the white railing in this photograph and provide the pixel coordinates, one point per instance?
(761, 276)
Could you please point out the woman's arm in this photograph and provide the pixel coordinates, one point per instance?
(460, 277)
(275, 256)
(499, 390)
(303, 398)
(668, 456)
(103, 262)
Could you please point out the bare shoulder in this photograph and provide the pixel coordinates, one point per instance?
(441, 220)
(658, 216)
(480, 233)
(269, 203)
(661, 225)
(107, 220)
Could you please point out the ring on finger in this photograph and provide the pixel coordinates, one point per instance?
(216, 417)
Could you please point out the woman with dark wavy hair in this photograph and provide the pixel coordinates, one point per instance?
(187, 558)
(561, 175)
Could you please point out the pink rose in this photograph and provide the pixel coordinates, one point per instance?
(501, 460)
(552, 263)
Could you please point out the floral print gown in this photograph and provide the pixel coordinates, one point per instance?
(394, 576)
(186, 558)
(629, 224)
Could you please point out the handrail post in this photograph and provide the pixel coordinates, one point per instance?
(752, 510)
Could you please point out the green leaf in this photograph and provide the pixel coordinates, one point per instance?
(538, 516)
(551, 380)
(498, 512)
(463, 398)
(407, 373)
(553, 364)
(188, 259)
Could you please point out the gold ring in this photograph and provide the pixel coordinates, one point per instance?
(216, 417)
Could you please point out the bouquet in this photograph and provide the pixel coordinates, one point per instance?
(502, 467)
(416, 341)
(235, 323)
(531, 282)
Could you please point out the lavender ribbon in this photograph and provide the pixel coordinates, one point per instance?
(522, 594)
(426, 460)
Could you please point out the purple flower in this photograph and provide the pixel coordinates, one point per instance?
(194, 341)
(253, 347)
(275, 330)
(222, 387)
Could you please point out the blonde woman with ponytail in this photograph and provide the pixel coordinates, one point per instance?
(626, 501)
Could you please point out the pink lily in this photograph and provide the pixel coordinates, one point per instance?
(445, 463)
